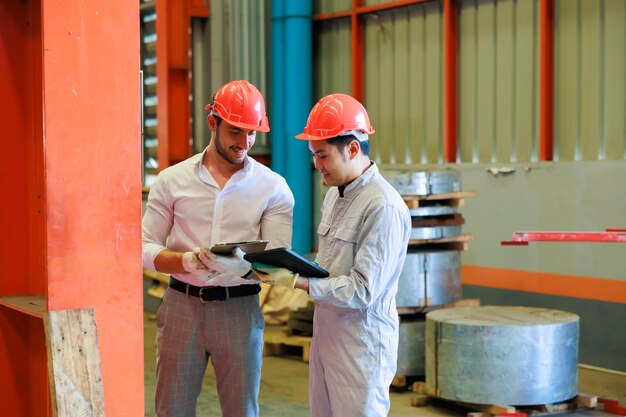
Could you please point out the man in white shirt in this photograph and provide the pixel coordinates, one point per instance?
(210, 309)
(363, 237)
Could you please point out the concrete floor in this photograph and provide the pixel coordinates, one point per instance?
(284, 388)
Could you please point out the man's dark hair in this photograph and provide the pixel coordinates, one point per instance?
(340, 142)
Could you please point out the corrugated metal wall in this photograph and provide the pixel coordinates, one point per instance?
(403, 83)
(330, 6)
(498, 80)
(239, 49)
(247, 31)
(590, 79)
(331, 57)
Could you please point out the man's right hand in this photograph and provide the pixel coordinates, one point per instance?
(195, 264)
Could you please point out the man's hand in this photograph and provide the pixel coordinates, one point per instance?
(193, 264)
(281, 277)
(232, 265)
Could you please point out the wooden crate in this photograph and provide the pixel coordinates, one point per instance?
(469, 302)
(276, 340)
(458, 242)
(456, 199)
(579, 402)
(404, 382)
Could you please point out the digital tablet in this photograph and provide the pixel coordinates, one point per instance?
(250, 246)
(286, 258)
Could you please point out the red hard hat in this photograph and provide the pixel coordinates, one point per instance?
(333, 115)
(241, 105)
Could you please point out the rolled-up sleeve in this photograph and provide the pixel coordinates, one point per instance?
(277, 220)
(156, 224)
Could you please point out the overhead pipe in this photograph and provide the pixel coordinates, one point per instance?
(292, 89)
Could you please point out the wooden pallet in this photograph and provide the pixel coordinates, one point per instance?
(458, 242)
(438, 221)
(456, 199)
(470, 302)
(579, 402)
(157, 290)
(405, 382)
(277, 340)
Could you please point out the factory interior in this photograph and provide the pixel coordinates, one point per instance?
(501, 124)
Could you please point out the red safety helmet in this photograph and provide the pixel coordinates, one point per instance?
(240, 104)
(334, 115)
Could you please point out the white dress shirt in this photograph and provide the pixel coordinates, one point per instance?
(186, 209)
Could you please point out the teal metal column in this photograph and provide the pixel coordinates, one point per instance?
(291, 102)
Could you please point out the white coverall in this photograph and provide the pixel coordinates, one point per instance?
(363, 237)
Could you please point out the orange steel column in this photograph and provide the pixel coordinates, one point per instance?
(23, 357)
(357, 43)
(70, 173)
(173, 86)
(450, 114)
(546, 74)
(93, 181)
(173, 27)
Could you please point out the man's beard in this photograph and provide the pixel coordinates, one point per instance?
(223, 152)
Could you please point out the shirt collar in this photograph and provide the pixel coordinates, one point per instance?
(206, 176)
(365, 178)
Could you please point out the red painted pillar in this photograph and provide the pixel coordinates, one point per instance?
(71, 166)
(450, 89)
(357, 44)
(546, 75)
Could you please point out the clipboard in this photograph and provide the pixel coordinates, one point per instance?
(286, 258)
(250, 246)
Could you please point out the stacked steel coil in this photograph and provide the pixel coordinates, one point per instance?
(431, 274)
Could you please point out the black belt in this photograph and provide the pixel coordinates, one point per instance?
(214, 293)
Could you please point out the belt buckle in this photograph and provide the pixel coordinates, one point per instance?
(203, 300)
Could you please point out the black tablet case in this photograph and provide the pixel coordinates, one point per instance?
(286, 258)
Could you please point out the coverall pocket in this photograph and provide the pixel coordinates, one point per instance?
(347, 234)
(345, 246)
(322, 231)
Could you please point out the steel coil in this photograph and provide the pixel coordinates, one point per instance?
(502, 355)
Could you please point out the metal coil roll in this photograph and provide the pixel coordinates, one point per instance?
(502, 355)
(429, 278)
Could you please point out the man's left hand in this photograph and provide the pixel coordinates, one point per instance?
(281, 277)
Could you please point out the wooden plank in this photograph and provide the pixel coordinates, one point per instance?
(457, 238)
(470, 302)
(74, 363)
(488, 408)
(414, 202)
(157, 291)
(442, 196)
(421, 401)
(399, 381)
(33, 305)
(159, 276)
(456, 199)
(583, 400)
(420, 388)
(274, 339)
(431, 221)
